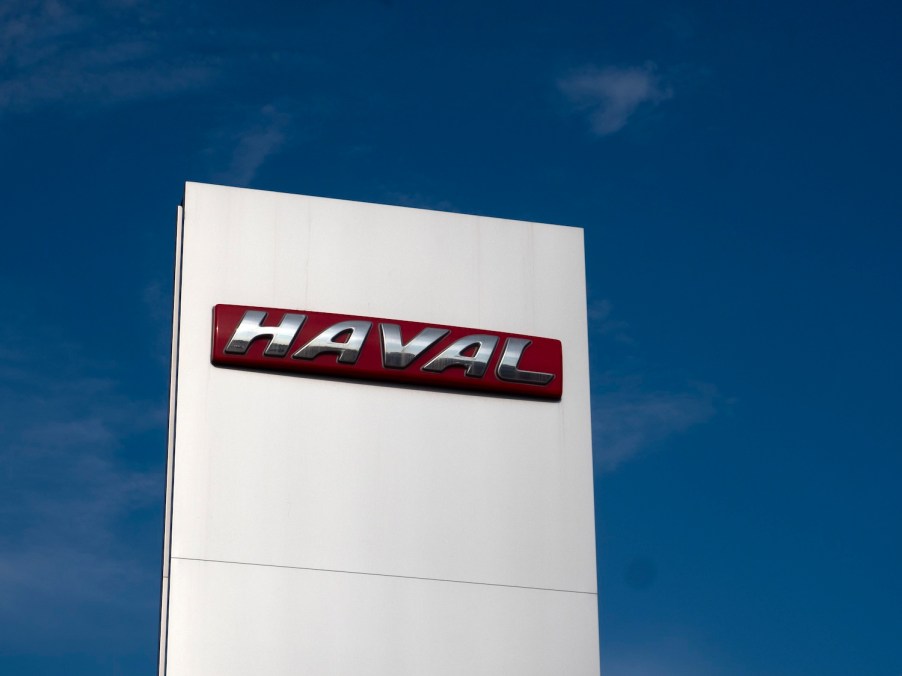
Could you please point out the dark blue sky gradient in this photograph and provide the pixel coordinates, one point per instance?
(735, 166)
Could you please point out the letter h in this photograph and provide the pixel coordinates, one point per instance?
(251, 328)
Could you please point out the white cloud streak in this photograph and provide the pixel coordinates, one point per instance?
(628, 418)
(69, 496)
(53, 51)
(252, 141)
(625, 423)
(604, 325)
(673, 654)
(609, 97)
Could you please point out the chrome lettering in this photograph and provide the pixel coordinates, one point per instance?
(475, 366)
(510, 358)
(250, 328)
(397, 355)
(348, 351)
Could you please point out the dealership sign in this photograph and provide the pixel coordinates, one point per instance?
(389, 350)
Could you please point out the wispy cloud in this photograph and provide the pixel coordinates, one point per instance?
(628, 421)
(99, 54)
(671, 654)
(75, 493)
(251, 138)
(604, 324)
(610, 96)
(628, 415)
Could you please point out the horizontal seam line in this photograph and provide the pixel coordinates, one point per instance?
(403, 577)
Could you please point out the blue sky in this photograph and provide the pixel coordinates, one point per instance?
(735, 166)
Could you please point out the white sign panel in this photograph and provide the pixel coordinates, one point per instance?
(331, 525)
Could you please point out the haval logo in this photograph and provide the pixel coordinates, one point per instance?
(386, 349)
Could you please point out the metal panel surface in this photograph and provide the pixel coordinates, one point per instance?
(243, 620)
(430, 502)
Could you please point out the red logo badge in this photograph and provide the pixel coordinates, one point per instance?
(427, 355)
